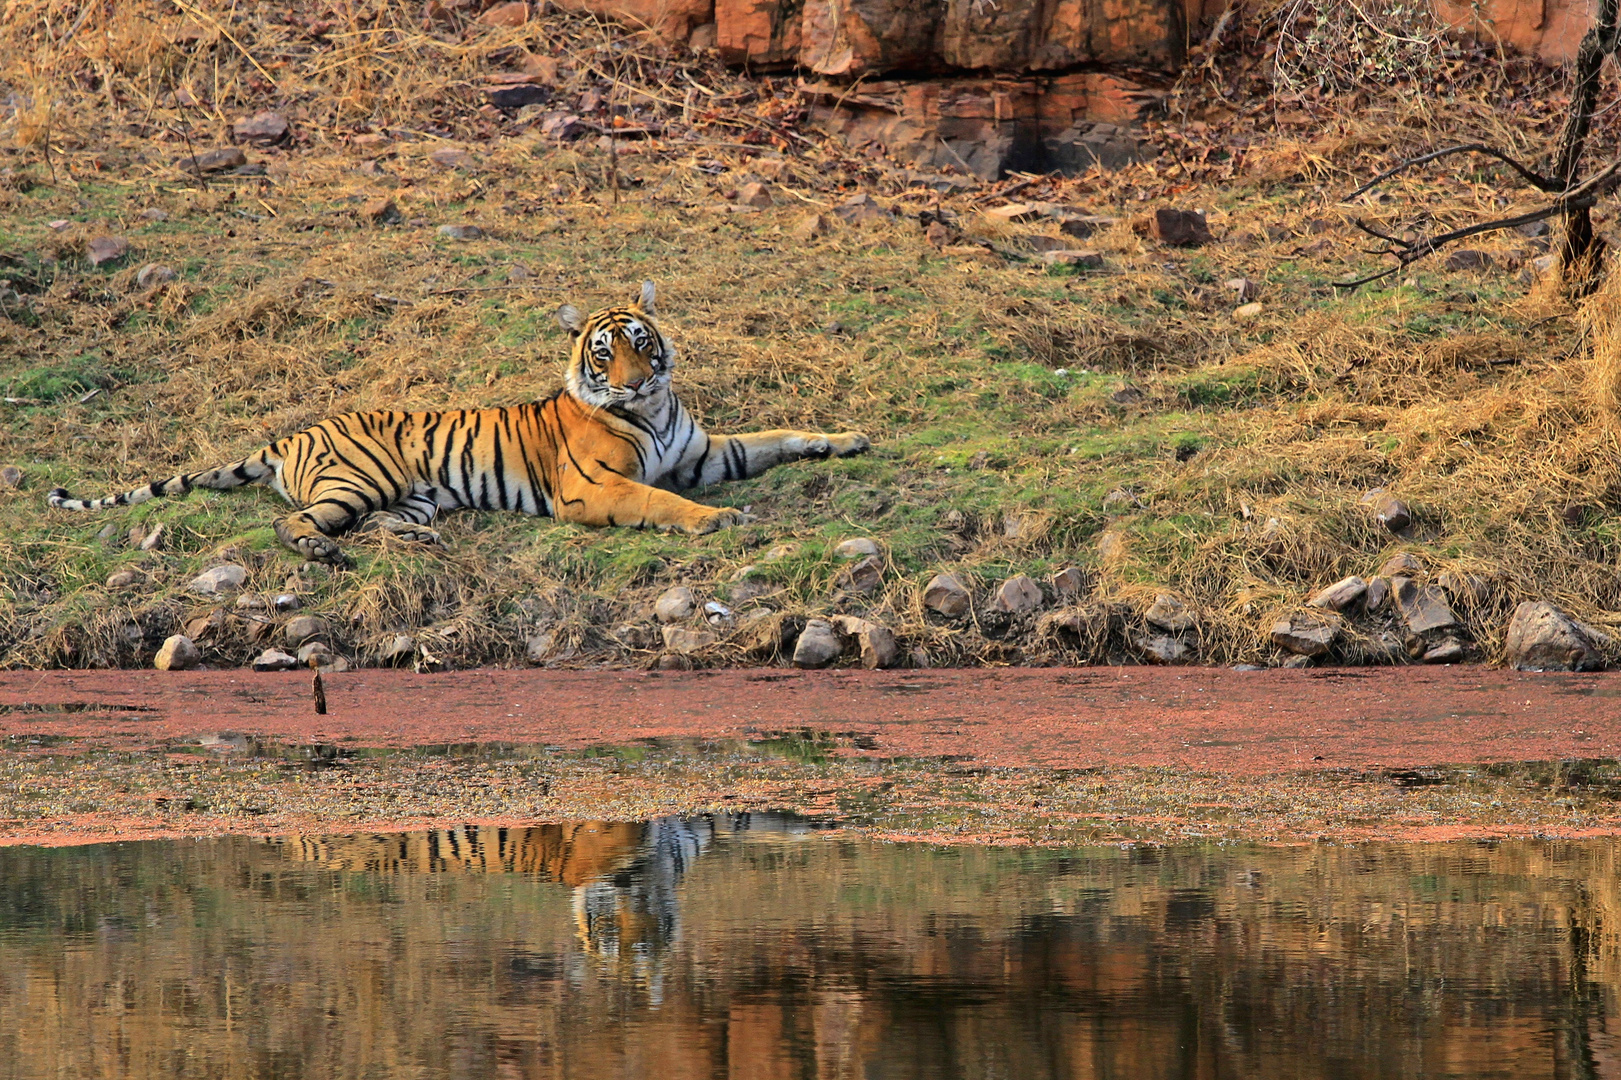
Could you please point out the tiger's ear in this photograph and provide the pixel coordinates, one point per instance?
(570, 319)
(647, 299)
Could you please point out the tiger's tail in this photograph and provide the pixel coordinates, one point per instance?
(253, 469)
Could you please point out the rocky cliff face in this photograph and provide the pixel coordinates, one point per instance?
(991, 85)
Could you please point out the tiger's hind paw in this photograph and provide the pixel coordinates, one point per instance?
(849, 444)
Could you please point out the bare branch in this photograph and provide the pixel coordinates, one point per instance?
(1536, 180)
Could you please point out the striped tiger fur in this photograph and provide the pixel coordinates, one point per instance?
(611, 447)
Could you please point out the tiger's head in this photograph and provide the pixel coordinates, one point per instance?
(619, 357)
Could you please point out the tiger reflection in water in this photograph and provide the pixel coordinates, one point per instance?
(624, 874)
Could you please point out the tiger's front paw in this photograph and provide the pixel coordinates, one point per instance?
(849, 444)
(713, 520)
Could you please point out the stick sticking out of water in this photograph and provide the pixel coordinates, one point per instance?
(316, 689)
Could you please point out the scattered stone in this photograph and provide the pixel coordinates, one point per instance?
(1069, 582)
(537, 648)
(818, 645)
(754, 194)
(1017, 596)
(381, 211)
(856, 547)
(124, 579)
(863, 576)
(1249, 667)
(1170, 614)
(11, 478)
(1468, 259)
(1378, 594)
(1423, 607)
(512, 14)
(809, 227)
(154, 274)
(637, 636)
(285, 602)
(1248, 312)
(1243, 289)
(1388, 510)
(1014, 212)
(460, 232)
(1085, 260)
(748, 584)
(107, 249)
(1127, 394)
(1163, 649)
(301, 628)
(1306, 633)
(147, 541)
(1448, 650)
(937, 234)
(877, 643)
(1086, 225)
(919, 657)
(861, 208)
(208, 161)
(261, 129)
(177, 654)
(1541, 637)
(1038, 242)
(1340, 595)
(1296, 661)
(152, 213)
(274, 660)
(451, 157)
(227, 577)
(946, 594)
(401, 649)
(249, 602)
(319, 651)
(1179, 228)
(675, 605)
(205, 627)
(1402, 564)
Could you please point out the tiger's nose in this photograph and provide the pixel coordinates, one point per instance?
(635, 384)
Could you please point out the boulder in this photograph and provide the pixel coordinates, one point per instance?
(301, 628)
(1340, 595)
(754, 194)
(227, 577)
(1402, 564)
(1449, 650)
(1170, 614)
(453, 157)
(877, 643)
(1017, 595)
(261, 129)
(177, 654)
(818, 645)
(855, 548)
(274, 660)
(1388, 510)
(152, 275)
(946, 594)
(685, 641)
(106, 249)
(1541, 637)
(1084, 226)
(208, 161)
(1163, 649)
(1423, 608)
(675, 605)
(1069, 582)
(1306, 633)
(1378, 594)
(381, 211)
(862, 576)
(538, 647)
(1179, 228)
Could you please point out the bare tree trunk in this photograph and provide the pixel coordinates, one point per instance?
(1580, 249)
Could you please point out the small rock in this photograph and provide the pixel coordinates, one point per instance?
(1340, 595)
(637, 636)
(452, 157)
(1086, 225)
(285, 602)
(401, 649)
(460, 232)
(1423, 607)
(1127, 394)
(205, 627)
(1248, 312)
(1162, 649)
(919, 657)
(685, 641)
(227, 577)
(274, 660)
(1388, 510)
(1014, 212)
(381, 211)
(537, 648)
(878, 649)
(124, 579)
(1038, 242)
(1448, 650)
(1298, 660)
(818, 645)
(856, 547)
(1533, 229)
(1466, 259)
(1541, 637)
(1169, 613)
(675, 605)
(1249, 667)
(809, 227)
(261, 129)
(945, 594)
(1179, 228)
(249, 602)
(1378, 594)
(861, 208)
(754, 194)
(1543, 265)
(319, 651)
(11, 478)
(208, 161)
(512, 14)
(1402, 564)
(302, 628)
(106, 249)
(1470, 590)
(781, 551)
(863, 576)
(1306, 634)
(177, 654)
(1111, 544)
(152, 213)
(937, 234)
(154, 274)
(147, 541)
(1243, 289)
(1017, 595)
(718, 615)
(1085, 260)
(1069, 582)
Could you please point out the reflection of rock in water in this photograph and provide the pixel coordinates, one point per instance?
(624, 873)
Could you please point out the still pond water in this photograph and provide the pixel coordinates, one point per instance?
(753, 946)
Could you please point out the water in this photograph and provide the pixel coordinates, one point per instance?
(757, 948)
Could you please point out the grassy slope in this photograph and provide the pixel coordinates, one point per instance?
(1452, 389)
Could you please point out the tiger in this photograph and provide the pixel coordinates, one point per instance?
(610, 447)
